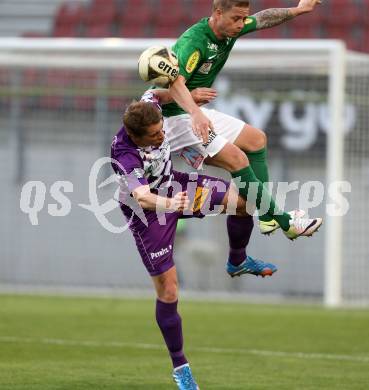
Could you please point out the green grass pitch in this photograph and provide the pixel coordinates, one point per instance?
(59, 343)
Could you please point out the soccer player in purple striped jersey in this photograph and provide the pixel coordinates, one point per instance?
(150, 190)
(203, 135)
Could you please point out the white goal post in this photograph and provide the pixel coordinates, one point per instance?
(321, 70)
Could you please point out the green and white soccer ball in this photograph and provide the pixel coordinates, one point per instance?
(158, 65)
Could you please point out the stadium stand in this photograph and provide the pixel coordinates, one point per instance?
(340, 19)
(203, 8)
(69, 19)
(101, 13)
(144, 18)
(174, 21)
(28, 18)
(137, 26)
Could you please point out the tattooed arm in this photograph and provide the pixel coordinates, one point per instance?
(275, 16)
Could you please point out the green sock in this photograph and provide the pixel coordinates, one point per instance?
(247, 175)
(258, 163)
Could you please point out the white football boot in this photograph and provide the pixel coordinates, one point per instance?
(303, 227)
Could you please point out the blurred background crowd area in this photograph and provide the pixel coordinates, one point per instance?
(339, 19)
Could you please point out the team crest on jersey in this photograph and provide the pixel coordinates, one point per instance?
(212, 46)
(205, 67)
(248, 21)
(193, 61)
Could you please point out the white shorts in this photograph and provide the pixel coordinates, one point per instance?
(185, 143)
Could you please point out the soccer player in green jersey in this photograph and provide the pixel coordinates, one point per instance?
(202, 135)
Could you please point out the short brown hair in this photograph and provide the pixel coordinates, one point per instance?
(139, 116)
(226, 5)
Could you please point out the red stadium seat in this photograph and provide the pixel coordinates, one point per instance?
(100, 14)
(304, 32)
(142, 11)
(70, 13)
(264, 4)
(314, 19)
(66, 31)
(119, 79)
(104, 3)
(84, 103)
(133, 31)
(268, 33)
(166, 32)
(334, 32)
(364, 10)
(364, 38)
(84, 80)
(68, 20)
(118, 104)
(98, 31)
(169, 3)
(199, 9)
(174, 21)
(174, 12)
(342, 12)
(33, 34)
(30, 76)
(137, 8)
(54, 79)
(344, 34)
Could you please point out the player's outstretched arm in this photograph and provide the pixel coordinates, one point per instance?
(200, 123)
(274, 16)
(200, 95)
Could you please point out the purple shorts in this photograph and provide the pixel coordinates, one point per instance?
(155, 239)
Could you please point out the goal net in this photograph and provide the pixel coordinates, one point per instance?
(61, 102)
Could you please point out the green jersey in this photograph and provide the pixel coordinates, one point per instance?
(201, 56)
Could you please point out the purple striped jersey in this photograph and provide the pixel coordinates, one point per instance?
(139, 166)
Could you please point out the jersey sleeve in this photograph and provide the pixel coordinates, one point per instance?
(250, 25)
(150, 97)
(189, 58)
(130, 168)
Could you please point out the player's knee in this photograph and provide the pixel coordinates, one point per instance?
(263, 140)
(168, 292)
(259, 142)
(237, 160)
(231, 158)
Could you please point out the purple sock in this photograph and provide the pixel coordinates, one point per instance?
(239, 233)
(170, 324)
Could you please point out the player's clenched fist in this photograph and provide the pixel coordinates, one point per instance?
(308, 5)
(180, 202)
